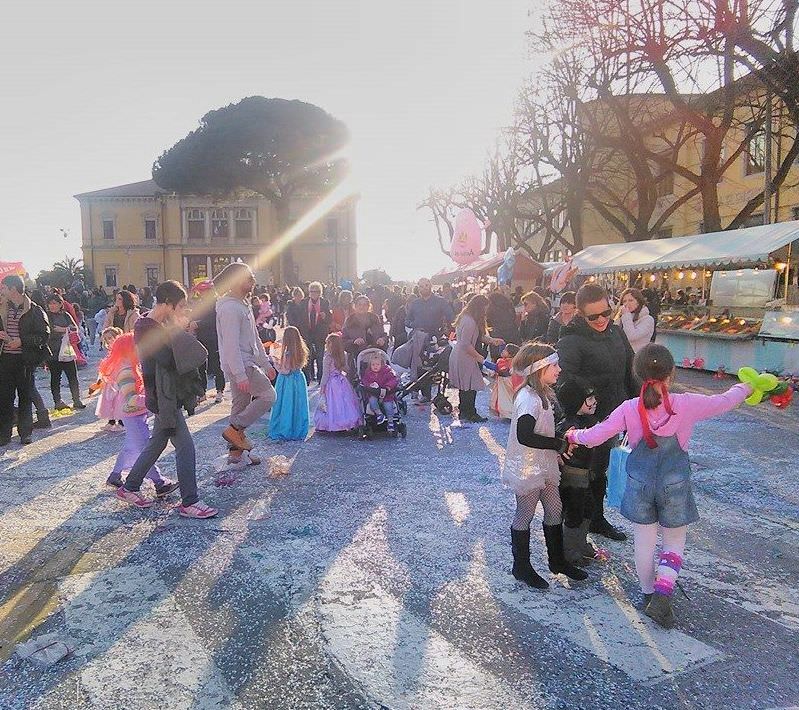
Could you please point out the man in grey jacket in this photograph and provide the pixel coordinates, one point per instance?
(243, 358)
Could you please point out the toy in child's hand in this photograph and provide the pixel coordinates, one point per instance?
(762, 383)
(781, 397)
(488, 365)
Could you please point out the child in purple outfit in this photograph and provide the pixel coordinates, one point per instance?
(658, 496)
(381, 381)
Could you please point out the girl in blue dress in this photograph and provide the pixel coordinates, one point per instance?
(290, 418)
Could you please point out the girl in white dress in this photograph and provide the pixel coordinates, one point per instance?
(531, 464)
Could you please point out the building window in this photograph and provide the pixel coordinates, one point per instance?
(108, 228)
(150, 229)
(755, 154)
(331, 229)
(151, 274)
(195, 225)
(111, 276)
(665, 184)
(218, 263)
(244, 224)
(220, 225)
(197, 267)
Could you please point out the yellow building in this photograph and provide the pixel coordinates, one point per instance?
(742, 180)
(139, 234)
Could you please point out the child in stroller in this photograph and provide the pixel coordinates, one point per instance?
(377, 387)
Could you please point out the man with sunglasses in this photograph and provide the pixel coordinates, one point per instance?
(591, 347)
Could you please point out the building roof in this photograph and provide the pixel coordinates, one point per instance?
(145, 188)
(736, 248)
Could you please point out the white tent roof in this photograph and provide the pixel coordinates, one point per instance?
(735, 248)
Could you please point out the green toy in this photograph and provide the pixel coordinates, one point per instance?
(761, 383)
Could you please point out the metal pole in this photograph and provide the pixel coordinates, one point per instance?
(767, 188)
(787, 271)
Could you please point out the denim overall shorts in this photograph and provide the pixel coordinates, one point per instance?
(659, 485)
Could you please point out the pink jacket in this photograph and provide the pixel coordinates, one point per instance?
(384, 379)
(688, 410)
(119, 397)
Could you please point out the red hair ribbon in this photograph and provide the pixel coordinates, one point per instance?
(664, 393)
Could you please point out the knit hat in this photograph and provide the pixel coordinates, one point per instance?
(572, 393)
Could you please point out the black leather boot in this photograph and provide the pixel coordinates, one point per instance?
(553, 534)
(599, 524)
(522, 569)
(42, 420)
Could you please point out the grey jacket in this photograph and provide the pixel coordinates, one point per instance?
(239, 344)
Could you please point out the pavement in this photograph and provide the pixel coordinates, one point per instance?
(375, 574)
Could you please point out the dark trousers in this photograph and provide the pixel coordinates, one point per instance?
(185, 458)
(316, 353)
(70, 369)
(577, 505)
(15, 381)
(466, 402)
(36, 398)
(599, 482)
(213, 367)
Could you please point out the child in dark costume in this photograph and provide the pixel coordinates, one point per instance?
(578, 404)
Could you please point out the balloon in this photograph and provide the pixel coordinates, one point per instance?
(505, 271)
(468, 240)
(563, 276)
(760, 383)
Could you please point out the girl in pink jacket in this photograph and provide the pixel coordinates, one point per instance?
(658, 496)
(122, 398)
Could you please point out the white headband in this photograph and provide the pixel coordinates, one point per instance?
(541, 364)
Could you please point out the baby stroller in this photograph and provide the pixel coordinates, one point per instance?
(372, 425)
(432, 372)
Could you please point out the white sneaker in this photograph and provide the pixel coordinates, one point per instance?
(219, 397)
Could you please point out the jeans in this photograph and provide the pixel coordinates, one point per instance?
(92, 329)
(15, 379)
(137, 433)
(250, 406)
(375, 406)
(70, 369)
(185, 458)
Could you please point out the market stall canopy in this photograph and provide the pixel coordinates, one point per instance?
(526, 269)
(736, 248)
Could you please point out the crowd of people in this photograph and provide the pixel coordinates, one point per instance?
(574, 374)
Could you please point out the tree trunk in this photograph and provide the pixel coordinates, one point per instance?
(711, 217)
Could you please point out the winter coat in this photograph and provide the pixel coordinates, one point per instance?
(501, 320)
(604, 360)
(62, 319)
(179, 384)
(368, 326)
(131, 317)
(302, 321)
(34, 331)
(383, 379)
(533, 326)
(639, 331)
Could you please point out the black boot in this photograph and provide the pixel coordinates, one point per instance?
(42, 420)
(522, 569)
(553, 534)
(599, 524)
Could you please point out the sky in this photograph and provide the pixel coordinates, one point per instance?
(93, 92)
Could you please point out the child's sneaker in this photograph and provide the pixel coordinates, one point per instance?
(133, 497)
(117, 428)
(114, 480)
(109, 427)
(391, 426)
(199, 510)
(218, 397)
(166, 488)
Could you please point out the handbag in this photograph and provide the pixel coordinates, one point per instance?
(617, 473)
(66, 353)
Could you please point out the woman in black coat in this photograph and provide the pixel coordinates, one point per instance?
(535, 320)
(594, 349)
(501, 320)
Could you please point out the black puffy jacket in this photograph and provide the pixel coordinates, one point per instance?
(605, 360)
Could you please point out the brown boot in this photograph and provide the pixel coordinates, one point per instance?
(236, 438)
(660, 611)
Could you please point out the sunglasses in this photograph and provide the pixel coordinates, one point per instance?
(596, 316)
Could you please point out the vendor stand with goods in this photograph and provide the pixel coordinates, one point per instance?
(729, 298)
